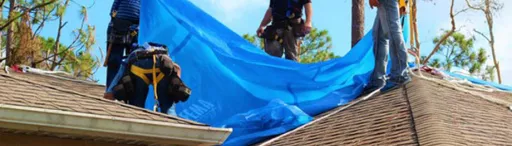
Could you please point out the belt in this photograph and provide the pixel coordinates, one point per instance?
(146, 55)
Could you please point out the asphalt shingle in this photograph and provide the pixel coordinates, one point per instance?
(39, 91)
(422, 113)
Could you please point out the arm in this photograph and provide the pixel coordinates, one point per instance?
(309, 13)
(266, 19)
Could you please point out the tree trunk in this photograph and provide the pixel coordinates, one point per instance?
(1, 32)
(490, 22)
(10, 34)
(57, 43)
(436, 48)
(357, 21)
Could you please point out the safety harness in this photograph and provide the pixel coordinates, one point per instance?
(141, 73)
(176, 90)
(293, 23)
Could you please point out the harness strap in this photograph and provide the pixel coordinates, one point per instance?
(141, 73)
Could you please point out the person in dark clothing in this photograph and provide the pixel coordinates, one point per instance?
(121, 34)
(149, 65)
(287, 27)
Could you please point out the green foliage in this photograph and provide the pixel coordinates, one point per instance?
(489, 74)
(75, 58)
(255, 40)
(435, 63)
(315, 47)
(458, 51)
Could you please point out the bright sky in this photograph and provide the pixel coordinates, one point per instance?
(243, 16)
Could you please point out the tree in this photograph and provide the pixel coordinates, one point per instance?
(357, 21)
(443, 38)
(458, 51)
(489, 8)
(255, 40)
(489, 74)
(436, 63)
(10, 32)
(315, 47)
(26, 20)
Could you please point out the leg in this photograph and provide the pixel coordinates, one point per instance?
(165, 101)
(380, 49)
(398, 52)
(114, 61)
(141, 92)
(141, 87)
(166, 66)
(380, 52)
(290, 45)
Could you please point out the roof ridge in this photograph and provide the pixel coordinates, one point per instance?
(340, 109)
(426, 113)
(456, 87)
(100, 99)
(36, 71)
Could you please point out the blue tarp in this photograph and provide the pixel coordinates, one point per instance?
(236, 85)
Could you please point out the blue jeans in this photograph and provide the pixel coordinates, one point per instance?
(388, 38)
(114, 61)
(118, 49)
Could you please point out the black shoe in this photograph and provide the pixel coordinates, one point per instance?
(392, 86)
(369, 89)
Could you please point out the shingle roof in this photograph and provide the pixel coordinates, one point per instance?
(29, 90)
(68, 83)
(422, 113)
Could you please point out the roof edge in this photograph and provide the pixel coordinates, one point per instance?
(96, 98)
(105, 126)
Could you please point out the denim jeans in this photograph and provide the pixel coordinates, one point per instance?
(118, 49)
(114, 61)
(388, 38)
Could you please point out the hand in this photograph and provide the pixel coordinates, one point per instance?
(308, 26)
(108, 96)
(113, 14)
(260, 30)
(374, 3)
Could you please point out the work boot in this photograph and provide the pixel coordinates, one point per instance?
(391, 85)
(369, 89)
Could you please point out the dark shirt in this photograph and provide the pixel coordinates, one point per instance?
(287, 9)
(127, 9)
